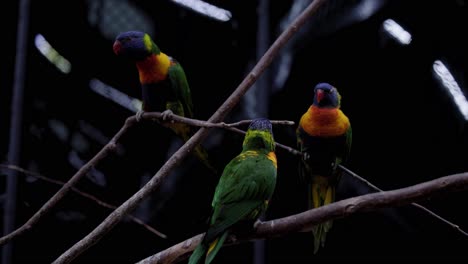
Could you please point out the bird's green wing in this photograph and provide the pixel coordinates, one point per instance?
(181, 88)
(242, 193)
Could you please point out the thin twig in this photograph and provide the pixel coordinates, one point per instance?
(201, 123)
(228, 126)
(303, 222)
(284, 147)
(433, 214)
(104, 152)
(84, 194)
(246, 122)
(372, 186)
(109, 147)
(116, 216)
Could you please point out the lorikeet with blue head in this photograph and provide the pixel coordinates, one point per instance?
(324, 138)
(163, 83)
(243, 191)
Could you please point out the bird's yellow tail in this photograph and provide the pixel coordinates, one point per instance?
(202, 155)
(322, 193)
(185, 132)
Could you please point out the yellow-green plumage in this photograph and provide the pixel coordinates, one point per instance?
(243, 191)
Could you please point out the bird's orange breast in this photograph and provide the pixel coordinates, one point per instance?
(154, 68)
(324, 122)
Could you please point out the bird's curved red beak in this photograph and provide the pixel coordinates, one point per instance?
(117, 47)
(320, 94)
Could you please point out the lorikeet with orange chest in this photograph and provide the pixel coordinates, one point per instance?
(244, 189)
(163, 83)
(324, 138)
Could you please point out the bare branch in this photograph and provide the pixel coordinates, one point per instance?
(304, 221)
(84, 194)
(102, 154)
(273, 122)
(433, 214)
(372, 186)
(231, 127)
(116, 216)
(201, 123)
(108, 148)
(178, 252)
(279, 145)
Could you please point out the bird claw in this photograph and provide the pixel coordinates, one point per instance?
(139, 115)
(165, 115)
(306, 156)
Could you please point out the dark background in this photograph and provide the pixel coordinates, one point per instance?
(406, 127)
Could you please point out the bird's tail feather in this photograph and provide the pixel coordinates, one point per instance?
(205, 252)
(215, 246)
(202, 155)
(322, 193)
(198, 254)
(185, 132)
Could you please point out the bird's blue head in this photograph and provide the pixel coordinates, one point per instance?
(259, 135)
(326, 96)
(134, 45)
(261, 124)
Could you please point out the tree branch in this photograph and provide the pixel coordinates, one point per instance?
(372, 186)
(201, 123)
(129, 205)
(108, 148)
(304, 221)
(83, 194)
(433, 214)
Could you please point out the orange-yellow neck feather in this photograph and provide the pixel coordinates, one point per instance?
(251, 153)
(324, 122)
(154, 68)
(272, 156)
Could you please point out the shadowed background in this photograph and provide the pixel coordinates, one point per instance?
(406, 126)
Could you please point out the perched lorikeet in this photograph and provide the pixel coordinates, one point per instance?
(163, 83)
(324, 138)
(243, 191)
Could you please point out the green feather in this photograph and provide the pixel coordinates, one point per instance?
(160, 90)
(247, 183)
(181, 88)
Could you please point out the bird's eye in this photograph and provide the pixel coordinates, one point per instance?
(125, 39)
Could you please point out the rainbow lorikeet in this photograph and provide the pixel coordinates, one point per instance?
(243, 191)
(163, 83)
(324, 138)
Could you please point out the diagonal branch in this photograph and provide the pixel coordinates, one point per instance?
(372, 186)
(106, 150)
(83, 194)
(304, 221)
(129, 205)
(431, 213)
(47, 207)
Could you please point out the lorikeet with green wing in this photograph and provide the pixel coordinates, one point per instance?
(163, 83)
(243, 191)
(324, 138)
